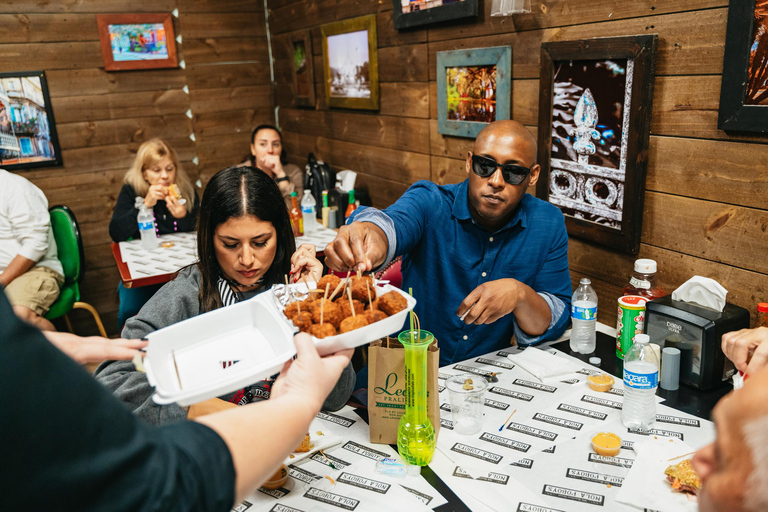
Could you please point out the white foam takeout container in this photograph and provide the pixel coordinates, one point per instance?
(255, 333)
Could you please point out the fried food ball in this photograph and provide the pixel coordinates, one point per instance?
(374, 304)
(321, 331)
(374, 315)
(291, 309)
(331, 313)
(302, 320)
(343, 303)
(392, 302)
(330, 278)
(359, 289)
(353, 322)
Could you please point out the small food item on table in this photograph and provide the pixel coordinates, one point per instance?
(329, 278)
(343, 303)
(321, 331)
(374, 315)
(392, 302)
(278, 479)
(302, 320)
(353, 322)
(683, 478)
(601, 382)
(327, 311)
(606, 444)
(360, 286)
(167, 244)
(304, 446)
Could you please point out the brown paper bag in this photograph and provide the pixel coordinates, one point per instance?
(386, 388)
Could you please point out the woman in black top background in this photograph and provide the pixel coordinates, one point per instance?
(155, 168)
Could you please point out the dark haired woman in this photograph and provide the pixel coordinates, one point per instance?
(245, 245)
(268, 155)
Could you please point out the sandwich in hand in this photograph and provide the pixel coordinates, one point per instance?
(683, 478)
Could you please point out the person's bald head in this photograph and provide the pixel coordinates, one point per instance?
(507, 133)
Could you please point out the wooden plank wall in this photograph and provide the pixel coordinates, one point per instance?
(706, 202)
(102, 118)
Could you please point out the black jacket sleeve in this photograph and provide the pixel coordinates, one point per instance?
(124, 224)
(80, 449)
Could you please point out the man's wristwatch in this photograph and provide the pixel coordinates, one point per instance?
(284, 178)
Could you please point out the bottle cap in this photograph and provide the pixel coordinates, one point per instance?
(642, 338)
(645, 266)
(293, 194)
(585, 280)
(762, 307)
(595, 361)
(352, 196)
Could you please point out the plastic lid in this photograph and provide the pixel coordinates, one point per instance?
(762, 307)
(585, 280)
(643, 266)
(595, 361)
(293, 194)
(642, 338)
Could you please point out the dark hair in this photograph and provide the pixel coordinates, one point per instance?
(235, 192)
(283, 154)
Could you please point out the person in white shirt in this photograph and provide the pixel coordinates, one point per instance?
(30, 271)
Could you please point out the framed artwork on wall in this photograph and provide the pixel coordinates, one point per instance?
(474, 88)
(595, 101)
(413, 13)
(744, 90)
(137, 41)
(350, 63)
(28, 136)
(300, 50)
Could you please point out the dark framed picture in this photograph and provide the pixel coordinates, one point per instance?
(594, 124)
(744, 90)
(474, 88)
(350, 63)
(413, 13)
(27, 129)
(300, 50)
(137, 41)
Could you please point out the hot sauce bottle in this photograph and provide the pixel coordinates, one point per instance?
(297, 221)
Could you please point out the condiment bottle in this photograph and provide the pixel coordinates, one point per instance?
(762, 314)
(351, 207)
(643, 281)
(326, 210)
(297, 221)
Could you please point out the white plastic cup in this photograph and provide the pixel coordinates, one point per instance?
(467, 395)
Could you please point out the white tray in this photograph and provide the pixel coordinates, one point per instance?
(186, 362)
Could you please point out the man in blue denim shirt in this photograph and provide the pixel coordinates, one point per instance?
(485, 259)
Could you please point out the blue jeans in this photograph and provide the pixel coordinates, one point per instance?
(132, 300)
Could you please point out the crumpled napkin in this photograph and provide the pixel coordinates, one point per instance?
(544, 365)
(702, 291)
(646, 486)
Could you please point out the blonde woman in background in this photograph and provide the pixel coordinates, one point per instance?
(155, 169)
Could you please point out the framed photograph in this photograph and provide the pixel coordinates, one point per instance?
(413, 13)
(137, 41)
(350, 63)
(27, 129)
(594, 124)
(300, 50)
(744, 90)
(474, 88)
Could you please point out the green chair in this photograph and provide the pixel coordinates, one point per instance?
(66, 232)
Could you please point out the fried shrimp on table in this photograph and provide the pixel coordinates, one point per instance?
(353, 322)
(392, 302)
(329, 311)
(321, 331)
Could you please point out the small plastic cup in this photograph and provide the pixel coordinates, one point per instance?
(467, 395)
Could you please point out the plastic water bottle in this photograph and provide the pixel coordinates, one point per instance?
(146, 220)
(583, 318)
(309, 211)
(641, 377)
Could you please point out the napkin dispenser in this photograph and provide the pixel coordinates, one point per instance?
(697, 332)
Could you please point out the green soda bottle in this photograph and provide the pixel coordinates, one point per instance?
(415, 433)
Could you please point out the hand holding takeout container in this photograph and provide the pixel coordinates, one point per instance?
(229, 348)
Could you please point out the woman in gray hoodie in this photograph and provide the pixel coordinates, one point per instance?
(245, 245)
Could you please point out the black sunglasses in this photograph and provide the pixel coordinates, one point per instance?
(485, 167)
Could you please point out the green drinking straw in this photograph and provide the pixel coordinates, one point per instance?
(410, 292)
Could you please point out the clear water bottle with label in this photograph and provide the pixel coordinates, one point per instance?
(583, 318)
(309, 211)
(641, 377)
(146, 220)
